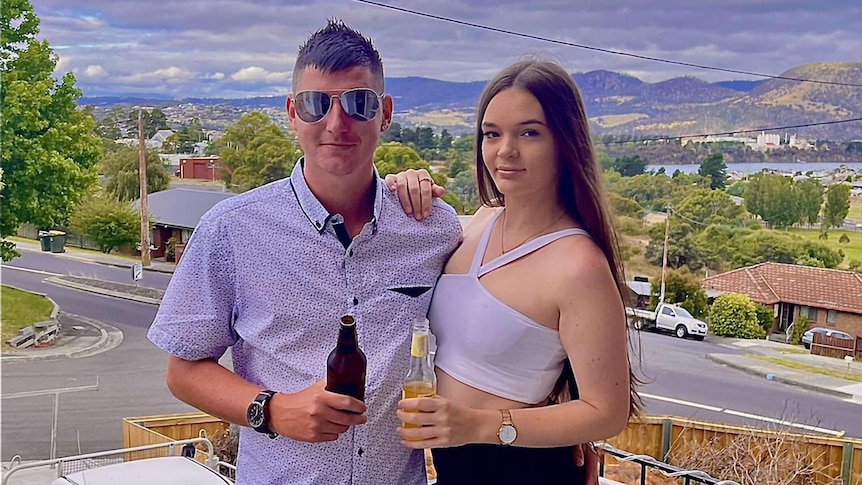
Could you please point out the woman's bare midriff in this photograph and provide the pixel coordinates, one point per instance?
(457, 391)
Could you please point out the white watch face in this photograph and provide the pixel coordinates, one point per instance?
(508, 434)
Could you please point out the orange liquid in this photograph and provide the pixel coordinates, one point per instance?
(416, 389)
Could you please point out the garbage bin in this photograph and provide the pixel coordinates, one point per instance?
(45, 240)
(58, 241)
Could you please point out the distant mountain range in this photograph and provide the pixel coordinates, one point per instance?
(622, 104)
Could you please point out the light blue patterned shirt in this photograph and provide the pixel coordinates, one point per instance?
(266, 274)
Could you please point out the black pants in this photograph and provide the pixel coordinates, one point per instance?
(502, 465)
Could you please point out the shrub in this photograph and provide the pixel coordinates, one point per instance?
(109, 223)
(734, 315)
(800, 325)
(765, 316)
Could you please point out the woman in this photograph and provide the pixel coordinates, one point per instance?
(531, 299)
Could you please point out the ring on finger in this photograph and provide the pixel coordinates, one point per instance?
(426, 180)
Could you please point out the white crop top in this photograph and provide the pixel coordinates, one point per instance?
(486, 344)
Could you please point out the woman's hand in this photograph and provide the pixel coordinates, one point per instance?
(441, 423)
(416, 189)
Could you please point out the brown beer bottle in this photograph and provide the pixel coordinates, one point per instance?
(345, 367)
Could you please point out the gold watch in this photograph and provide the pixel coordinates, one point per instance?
(507, 432)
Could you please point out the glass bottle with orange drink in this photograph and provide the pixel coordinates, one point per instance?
(420, 380)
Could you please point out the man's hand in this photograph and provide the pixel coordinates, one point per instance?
(587, 456)
(315, 414)
(416, 189)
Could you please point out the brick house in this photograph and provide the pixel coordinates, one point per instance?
(202, 168)
(828, 298)
(177, 212)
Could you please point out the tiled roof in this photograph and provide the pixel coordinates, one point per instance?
(790, 283)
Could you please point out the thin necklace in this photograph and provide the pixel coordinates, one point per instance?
(503, 250)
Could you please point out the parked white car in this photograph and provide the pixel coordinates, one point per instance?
(668, 317)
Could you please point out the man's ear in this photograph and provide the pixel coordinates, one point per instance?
(388, 107)
(290, 107)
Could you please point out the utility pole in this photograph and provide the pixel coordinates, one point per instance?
(142, 178)
(664, 256)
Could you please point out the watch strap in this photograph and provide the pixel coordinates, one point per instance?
(264, 397)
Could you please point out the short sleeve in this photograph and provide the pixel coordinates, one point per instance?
(195, 317)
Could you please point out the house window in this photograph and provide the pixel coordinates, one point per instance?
(831, 316)
(808, 312)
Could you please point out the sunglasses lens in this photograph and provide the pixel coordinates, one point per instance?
(312, 106)
(360, 104)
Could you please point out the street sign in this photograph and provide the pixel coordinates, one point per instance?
(138, 271)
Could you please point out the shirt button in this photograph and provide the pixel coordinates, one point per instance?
(350, 253)
(355, 301)
(360, 452)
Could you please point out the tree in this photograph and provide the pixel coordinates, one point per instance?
(734, 315)
(714, 168)
(773, 198)
(184, 140)
(837, 205)
(629, 166)
(121, 166)
(49, 147)
(109, 223)
(109, 126)
(394, 157)
(154, 120)
(254, 152)
(810, 197)
(445, 140)
(710, 207)
(684, 289)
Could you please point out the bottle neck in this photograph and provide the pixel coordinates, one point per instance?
(347, 338)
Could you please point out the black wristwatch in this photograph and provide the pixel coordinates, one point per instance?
(257, 414)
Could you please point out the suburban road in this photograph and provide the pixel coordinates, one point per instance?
(679, 380)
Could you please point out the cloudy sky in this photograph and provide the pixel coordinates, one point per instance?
(239, 48)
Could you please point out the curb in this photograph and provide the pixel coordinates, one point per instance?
(102, 291)
(777, 378)
(109, 337)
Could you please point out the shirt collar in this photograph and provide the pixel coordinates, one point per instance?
(314, 211)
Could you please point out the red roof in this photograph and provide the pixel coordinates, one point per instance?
(770, 283)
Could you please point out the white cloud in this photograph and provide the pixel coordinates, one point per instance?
(255, 74)
(218, 76)
(174, 73)
(95, 72)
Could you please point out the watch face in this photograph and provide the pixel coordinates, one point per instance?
(255, 415)
(508, 434)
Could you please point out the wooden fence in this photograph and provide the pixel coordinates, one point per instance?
(669, 439)
(666, 438)
(830, 346)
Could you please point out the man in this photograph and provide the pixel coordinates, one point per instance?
(268, 273)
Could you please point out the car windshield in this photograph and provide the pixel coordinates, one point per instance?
(681, 312)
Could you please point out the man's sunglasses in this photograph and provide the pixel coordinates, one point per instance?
(361, 104)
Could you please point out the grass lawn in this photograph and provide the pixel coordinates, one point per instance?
(855, 213)
(852, 250)
(850, 376)
(20, 309)
(73, 249)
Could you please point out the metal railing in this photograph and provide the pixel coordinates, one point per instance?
(56, 393)
(647, 462)
(92, 460)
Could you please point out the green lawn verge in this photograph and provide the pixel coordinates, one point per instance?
(73, 249)
(852, 250)
(20, 309)
(850, 376)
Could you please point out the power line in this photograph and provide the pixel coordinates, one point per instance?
(702, 135)
(601, 49)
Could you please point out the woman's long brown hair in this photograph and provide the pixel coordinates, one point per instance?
(580, 184)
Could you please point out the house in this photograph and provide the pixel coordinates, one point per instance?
(204, 168)
(828, 298)
(177, 212)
